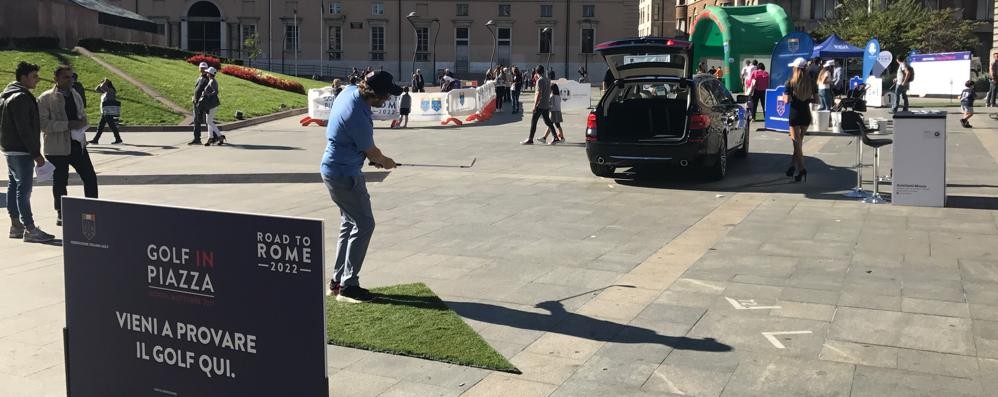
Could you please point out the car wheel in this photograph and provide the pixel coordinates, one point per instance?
(719, 168)
(744, 150)
(599, 170)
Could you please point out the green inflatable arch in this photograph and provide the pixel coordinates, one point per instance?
(728, 35)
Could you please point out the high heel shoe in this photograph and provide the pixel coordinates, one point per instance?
(790, 171)
(802, 175)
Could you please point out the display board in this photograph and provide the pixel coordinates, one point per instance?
(940, 74)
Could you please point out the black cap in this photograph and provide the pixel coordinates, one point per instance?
(382, 83)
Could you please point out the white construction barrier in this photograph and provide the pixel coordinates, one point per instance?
(462, 102)
(574, 95)
(388, 111)
(429, 106)
(320, 100)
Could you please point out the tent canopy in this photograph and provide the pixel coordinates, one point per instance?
(835, 47)
(727, 33)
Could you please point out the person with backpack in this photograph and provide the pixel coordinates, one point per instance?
(209, 106)
(21, 144)
(110, 109)
(904, 77)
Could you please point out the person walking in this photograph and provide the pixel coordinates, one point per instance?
(989, 101)
(418, 84)
(350, 136)
(746, 75)
(209, 106)
(825, 86)
(405, 106)
(800, 91)
(967, 103)
(110, 109)
(199, 86)
(542, 104)
(556, 119)
(517, 89)
(500, 87)
(904, 76)
(63, 123)
(759, 85)
(20, 142)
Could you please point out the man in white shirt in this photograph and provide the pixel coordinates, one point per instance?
(746, 74)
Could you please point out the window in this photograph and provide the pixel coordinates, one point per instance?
(504, 42)
(505, 10)
(547, 10)
(588, 40)
(462, 10)
(378, 9)
(985, 10)
(336, 8)
(356, 25)
(589, 11)
(335, 43)
(422, 44)
(291, 37)
(461, 41)
(544, 41)
(247, 31)
(377, 43)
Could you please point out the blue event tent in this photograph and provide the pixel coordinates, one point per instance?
(835, 47)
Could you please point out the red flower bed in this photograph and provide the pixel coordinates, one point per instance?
(210, 60)
(257, 76)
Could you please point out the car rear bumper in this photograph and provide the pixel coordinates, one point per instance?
(632, 154)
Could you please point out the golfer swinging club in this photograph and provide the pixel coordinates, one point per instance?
(350, 133)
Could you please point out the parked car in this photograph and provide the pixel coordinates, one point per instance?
(659, 112)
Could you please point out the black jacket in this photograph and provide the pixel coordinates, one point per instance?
(20, 129)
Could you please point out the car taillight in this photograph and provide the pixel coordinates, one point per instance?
(591, 127)
(699, 121)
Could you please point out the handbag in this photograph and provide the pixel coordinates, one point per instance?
(209, 103)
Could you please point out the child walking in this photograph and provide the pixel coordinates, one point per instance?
(556, 118)
(967, 103)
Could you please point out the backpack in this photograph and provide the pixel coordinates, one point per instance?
(911, 73)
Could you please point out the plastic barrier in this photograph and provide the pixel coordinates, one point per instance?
(574, 95)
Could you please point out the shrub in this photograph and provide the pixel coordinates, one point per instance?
(257, 76)
(95, 44)
(210, 60)
(30, 43)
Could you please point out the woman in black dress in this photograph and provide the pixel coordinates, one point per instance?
(800, 90)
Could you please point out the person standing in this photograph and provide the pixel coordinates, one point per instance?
(746, 75)
(758, 87)
(800, 90)
(350, 134)
(967, 103)
(542, 104)
(556, 119)
(209, 106)
(199, 86)
(500, 90)
(418, 83)
(904, 76)
(405, 106)
(825, 87)
(110, 109)
(989, 101)
(517, 88)
(63, 123)
(20, 142)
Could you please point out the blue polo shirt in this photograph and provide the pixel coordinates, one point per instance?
(350, 131)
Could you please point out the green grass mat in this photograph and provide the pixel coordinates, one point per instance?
(410, 320)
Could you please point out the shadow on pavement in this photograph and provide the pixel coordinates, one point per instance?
(261, 147)
(972, 202)
(207, 179)
(117, 152)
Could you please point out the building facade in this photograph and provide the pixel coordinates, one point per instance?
(323, 37)
(656, 18)
(72, 20)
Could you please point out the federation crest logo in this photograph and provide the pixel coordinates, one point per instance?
(460, 99)
(436, 104)
(89, 228)
(793, 44)
(424, 104)
(565, 94)
(781, 106)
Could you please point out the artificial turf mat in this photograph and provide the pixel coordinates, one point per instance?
(410, 320)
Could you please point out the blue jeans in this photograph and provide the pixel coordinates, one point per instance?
(992, 91)
(21, 169)
(356, 226)
(899, 94)
(825, 95)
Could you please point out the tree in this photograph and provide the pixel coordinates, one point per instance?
(904, 25)
(252, 47)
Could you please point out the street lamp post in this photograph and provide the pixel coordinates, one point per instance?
(548, 36)
(588, 51)
(495, 42)
(435, 34)
(416, 35)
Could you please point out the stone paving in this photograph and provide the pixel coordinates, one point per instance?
(751, 286)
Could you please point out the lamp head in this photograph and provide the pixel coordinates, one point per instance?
(490, 23)
(411, 15)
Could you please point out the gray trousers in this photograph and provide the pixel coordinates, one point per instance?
(356, 226)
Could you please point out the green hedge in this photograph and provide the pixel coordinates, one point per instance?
(101, 45)
(30, 43)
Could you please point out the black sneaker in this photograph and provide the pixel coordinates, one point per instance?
(194, 142)
(354, 294)
(118, 142)
(334, 288)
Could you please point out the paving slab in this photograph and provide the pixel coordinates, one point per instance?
(913, 331)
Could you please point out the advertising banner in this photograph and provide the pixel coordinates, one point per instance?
(462, 102)
(939, 74)
(870, 54)
(792, 46)
(429, 106)
(192, 302)
(874, 92)
(777, 110)
(388, 111)
(883, 62)
(319, 102)
(574, 95)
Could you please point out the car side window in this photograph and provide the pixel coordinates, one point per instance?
(705, 94)
(721, 93)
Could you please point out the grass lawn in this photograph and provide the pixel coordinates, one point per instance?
(137, 108)
(410, 320)
(175, 78)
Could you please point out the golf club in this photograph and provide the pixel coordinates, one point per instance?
(473, 160)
